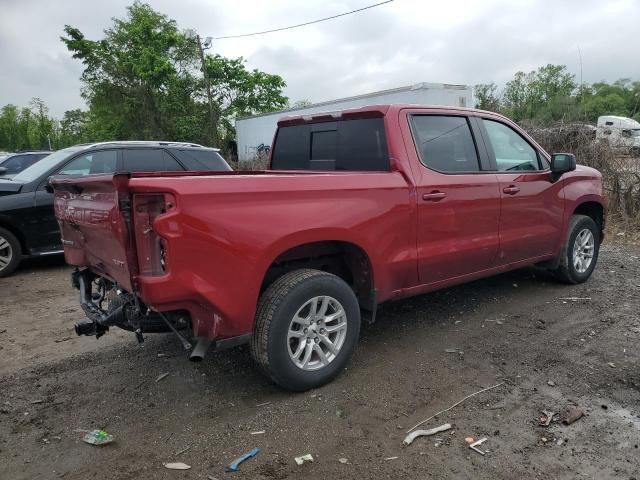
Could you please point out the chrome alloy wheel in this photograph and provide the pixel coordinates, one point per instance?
(583, 250)
(317, 333)
(6, 253)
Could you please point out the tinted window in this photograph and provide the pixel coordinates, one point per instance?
(512, 152)
(195, 159)
(104, 161)
(353, 145)
(445, 143)
(149, 160)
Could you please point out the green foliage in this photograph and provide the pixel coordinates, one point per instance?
(143, 80)
(487, 97)
(550, 93)
(543, 94)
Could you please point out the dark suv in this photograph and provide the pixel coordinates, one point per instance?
(13, 163)
(28, 226)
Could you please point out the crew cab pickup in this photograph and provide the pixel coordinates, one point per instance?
(359, 207)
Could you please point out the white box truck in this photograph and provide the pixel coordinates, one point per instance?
(620, 132)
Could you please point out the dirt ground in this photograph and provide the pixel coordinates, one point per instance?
(421, 356)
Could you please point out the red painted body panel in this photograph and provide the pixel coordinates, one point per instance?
(226, 229)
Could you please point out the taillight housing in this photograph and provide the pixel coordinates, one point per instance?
(152, 249)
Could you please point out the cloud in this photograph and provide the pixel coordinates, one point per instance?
(401, 43)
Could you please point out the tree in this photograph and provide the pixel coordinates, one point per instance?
(487, 97)
(143, 81)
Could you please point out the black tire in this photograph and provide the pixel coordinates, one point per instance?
(277, 307)
(9, 247)
(566, 271)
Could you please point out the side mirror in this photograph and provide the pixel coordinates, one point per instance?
(3, 170)
(47, 186)
(562, 163)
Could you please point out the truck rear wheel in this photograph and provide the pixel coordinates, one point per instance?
(580, 252)
(10, 252)
(307, 324)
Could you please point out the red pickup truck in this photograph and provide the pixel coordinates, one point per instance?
(358, 208)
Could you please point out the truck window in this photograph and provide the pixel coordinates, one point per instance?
(149, 160)
(512, 152)
(346, 145)
(444, 143)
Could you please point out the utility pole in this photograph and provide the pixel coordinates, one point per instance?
(207, 83)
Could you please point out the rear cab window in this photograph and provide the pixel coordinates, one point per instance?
(344, 145)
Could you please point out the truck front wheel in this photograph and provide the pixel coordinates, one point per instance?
(307, 324)
(580, 252)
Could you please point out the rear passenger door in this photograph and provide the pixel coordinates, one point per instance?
(457, 196)
(531, 204)
(149, 160)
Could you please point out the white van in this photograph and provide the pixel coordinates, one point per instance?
(620, 132)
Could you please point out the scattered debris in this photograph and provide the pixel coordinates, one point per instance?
(548, 417)
(162, 376)
(97, 437)
(454, 405)
(474, 445)
(260, 432)
(451, 350)
(611, 364)
(575, 299)
(573, 415)
(560, 442)
(34, 402)
(236, 463)
(390, 458)
(211, 477)
(4, 330)
(263, 404)
(343, 460)
(183, 450)
(304, 458)
(424, 433)
(469, 440)
(59, 340)
(551, 383)
(177, 466)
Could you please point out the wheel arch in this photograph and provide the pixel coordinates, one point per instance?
(344, 258)
(593, 209)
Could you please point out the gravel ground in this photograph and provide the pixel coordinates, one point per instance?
(421, 356)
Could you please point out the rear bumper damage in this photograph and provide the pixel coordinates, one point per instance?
(110, 307)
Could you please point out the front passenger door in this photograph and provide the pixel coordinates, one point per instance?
(531, 204)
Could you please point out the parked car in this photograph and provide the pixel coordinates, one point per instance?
(28, 227)
(13, 163)
(362, 207)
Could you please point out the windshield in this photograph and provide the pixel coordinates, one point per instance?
(635, 132)
(3, 158)
(44, 165)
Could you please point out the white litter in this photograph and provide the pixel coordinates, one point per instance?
(425, 433)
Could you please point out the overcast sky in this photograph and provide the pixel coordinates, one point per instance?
(400, 43)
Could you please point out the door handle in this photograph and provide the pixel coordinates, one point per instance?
(434, 196)
(511, 190)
